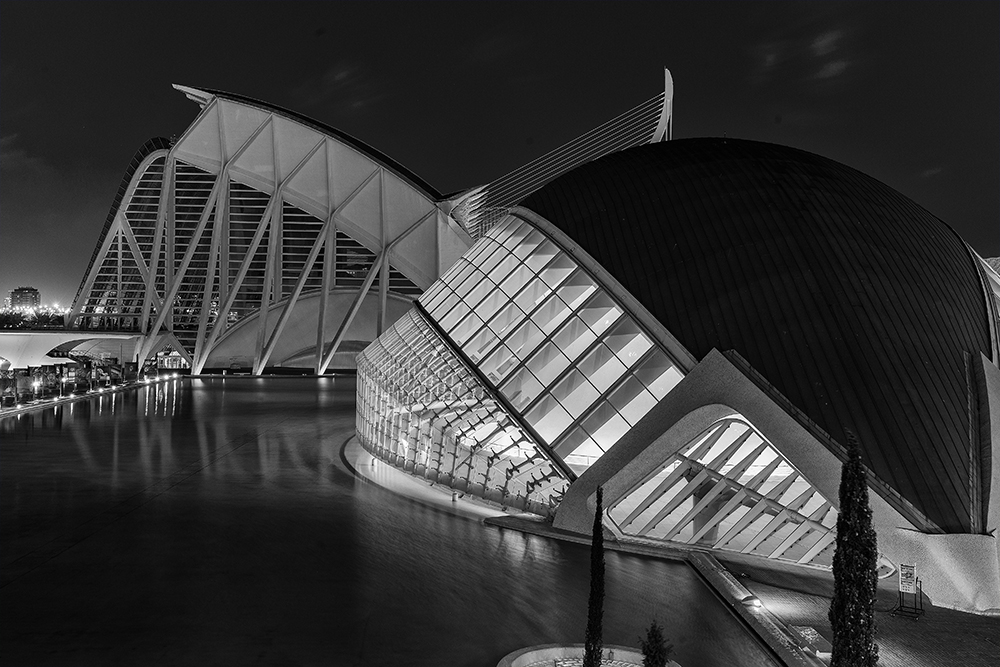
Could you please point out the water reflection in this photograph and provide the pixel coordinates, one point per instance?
(231, 527)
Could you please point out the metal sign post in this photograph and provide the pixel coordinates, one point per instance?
(909, 586)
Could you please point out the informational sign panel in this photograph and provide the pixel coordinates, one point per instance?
(907, 578)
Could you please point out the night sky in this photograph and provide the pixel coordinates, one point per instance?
(462, 92)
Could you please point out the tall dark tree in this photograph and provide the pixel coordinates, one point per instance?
(655, 651)
(594, 642)
(855, 569)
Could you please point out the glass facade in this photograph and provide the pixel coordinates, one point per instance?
(422, 409)
(731, 489)
(551, 340)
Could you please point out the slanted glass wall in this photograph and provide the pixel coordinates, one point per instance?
(421, 409)
(565, 354)
(731, 489)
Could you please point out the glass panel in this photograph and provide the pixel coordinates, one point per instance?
(632, 400)
(503, 228)
(548, 418)
(600, 313)
(490, 305)
(548, 363)
(434, 303)
(528, 245)
(574, 337)
(478, 291)
(488, 262)
(558, 270)
(503, 269)
(551, 314)
(466, 328)
(524, 341)
(482, 246)
(480, 344)
(518, 232)
(521, 389)
(575, 393)
(628, 342)
(658, 374)
(576, 290)
(602, 367)
(516, 280)
(542, 256)
(474, 278)
(506, 319)
(498, 364)
(452, 317)
(605, 425)
(532, 295)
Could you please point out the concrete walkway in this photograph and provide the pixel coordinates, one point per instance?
(796, 596)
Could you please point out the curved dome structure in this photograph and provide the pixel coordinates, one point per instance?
(856, 304)
(695, 326)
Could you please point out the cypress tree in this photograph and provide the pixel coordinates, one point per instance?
(855, 569)
(594, 642)
(655, 652)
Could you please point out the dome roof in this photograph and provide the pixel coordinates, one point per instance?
(860, 307)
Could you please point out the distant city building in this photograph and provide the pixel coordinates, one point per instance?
(24, 298)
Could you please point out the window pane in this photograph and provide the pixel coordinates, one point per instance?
(632, 400)
(528, 245)
(474, 278)
(503, 229)
(605, 425)
(466, 328)
(542, 256)
(488, 307)
(575, 393)
(506, 319)
(488, 263)
(574, 337)
(600, 313)
(628, 342)
(452, 317)
(551, 314)
(548, 418)
(602, 367)
(481, 344)
(658, 374)
(524, 341)
(503, 269)
(558, 270)
(516, 280)
(517, 234)
(498, 364)
(576, 290)
(548, 363)
(521, 389)
(531, 295)
(479, 292)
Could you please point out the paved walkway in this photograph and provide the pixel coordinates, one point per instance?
(941, 638)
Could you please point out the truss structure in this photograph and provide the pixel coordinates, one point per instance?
(731, 489)
(250, 210)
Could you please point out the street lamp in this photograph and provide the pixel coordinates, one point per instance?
(62, 387)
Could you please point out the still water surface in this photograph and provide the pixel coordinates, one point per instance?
(211, 522)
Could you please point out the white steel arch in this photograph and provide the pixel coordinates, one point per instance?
(249, 208)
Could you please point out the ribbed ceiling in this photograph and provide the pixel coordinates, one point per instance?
(853, 301)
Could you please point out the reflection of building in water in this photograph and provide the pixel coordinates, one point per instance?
(694, 325)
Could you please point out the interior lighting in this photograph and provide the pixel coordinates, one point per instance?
(751, 601)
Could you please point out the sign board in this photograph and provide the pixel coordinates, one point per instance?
(907, 578)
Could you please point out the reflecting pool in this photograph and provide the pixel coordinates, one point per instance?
(212, 522)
